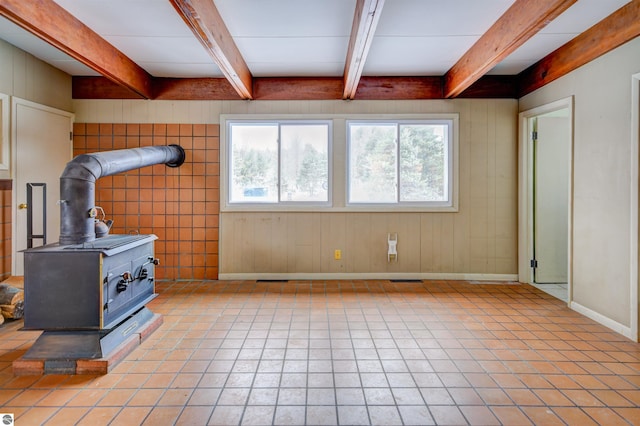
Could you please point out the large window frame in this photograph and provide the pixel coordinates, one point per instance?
(280, 201)
(447, 125)
(338, 177)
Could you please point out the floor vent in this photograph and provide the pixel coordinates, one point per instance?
(405, 281)
(272, 281)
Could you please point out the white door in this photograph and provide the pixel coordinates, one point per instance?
(43, 146)
(551, 195)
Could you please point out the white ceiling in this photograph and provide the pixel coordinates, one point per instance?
(308, 38)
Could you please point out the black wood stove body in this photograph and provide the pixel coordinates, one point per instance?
(88, 291)
(88, 286)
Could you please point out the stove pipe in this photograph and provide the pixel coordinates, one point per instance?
(77, 184)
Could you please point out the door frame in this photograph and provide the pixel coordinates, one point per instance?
(635, 208)
(526, 191)
(15, 101)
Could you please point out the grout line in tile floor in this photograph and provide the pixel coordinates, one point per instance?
(346, 352)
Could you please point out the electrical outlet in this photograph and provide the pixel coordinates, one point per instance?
(337, 254)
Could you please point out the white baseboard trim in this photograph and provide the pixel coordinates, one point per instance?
(607, 322)
(368, 276)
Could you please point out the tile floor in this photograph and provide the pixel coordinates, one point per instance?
(346, 352)
(558, 290)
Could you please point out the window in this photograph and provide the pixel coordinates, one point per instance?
(400, 162)
(278, 162)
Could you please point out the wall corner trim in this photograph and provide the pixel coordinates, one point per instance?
(607, 322)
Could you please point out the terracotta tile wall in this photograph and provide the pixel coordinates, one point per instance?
(179, 205)
(5, 229)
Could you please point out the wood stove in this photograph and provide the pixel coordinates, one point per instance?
(89, 294)
(88, 286)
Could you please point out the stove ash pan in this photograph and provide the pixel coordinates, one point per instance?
(89, 286)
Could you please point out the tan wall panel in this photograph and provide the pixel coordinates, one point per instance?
(478, 239)
(27, 77)
(359, 236)
(378, 248)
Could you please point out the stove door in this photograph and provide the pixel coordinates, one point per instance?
(119, 288)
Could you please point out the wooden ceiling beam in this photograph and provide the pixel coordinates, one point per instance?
(396, 88)
(517, 25)
(618, 28)
(53, 24)
(207, 25)
(297, 88)
(365, 21)
(98, 88)
(193, 89)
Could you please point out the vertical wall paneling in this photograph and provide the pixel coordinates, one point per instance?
(263, 232)
(29, 78)
(477, 239)
(426, 244)
(360, 235)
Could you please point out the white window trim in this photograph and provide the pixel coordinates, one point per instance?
(422, 205)
(338, 171)
(225, 160)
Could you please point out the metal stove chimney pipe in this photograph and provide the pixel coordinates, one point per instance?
(77, 184)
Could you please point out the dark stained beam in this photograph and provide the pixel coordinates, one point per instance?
(194, 89)
(297, 88)
(163, 89)
(99, 88)
(493, 86)
(207, 25)
(365, 20)
(517, 25)
(373, 88)
(56, 26)
(618, 28)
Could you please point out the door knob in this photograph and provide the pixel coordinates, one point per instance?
(22, 206)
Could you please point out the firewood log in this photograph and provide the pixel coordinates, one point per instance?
(15, 311)
(10, 295)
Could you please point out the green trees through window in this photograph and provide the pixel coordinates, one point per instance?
(388, 163)
(398, 162)
(279, 162)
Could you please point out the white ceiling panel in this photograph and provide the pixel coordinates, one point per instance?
(579, 17)
(302, 53)
(582, 15)
(145, 18)
(181, 70)
(150, 32)
(427, 37)
(73, 67)
(42, 50)
(297, 69)
(530, 52)
(287, 18)
(299, 38)
(415, 56)
(161, 49)
(439, 17)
